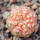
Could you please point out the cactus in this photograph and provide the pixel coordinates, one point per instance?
(22, 21)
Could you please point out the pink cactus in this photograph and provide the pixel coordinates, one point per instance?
(22, 21)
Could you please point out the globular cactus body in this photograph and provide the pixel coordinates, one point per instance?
(22, 21)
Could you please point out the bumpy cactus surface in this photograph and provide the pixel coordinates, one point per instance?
(21, 21)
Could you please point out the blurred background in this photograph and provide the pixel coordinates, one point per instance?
(5, 7)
